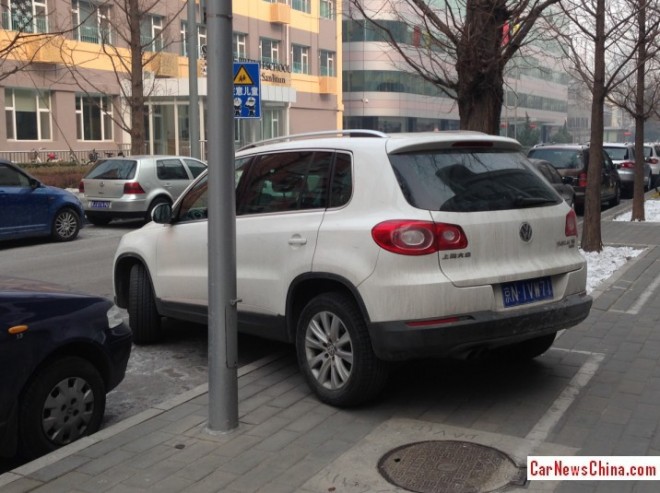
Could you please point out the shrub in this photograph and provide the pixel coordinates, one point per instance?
(62, 175)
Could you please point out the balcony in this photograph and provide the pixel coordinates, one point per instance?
(328, 85)
(164, 64)
(280, 13)
(46, 48)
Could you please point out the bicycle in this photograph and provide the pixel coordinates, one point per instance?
(92, 157)
(34, 156)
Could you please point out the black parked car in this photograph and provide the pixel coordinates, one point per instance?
(572, 160)
(60, 353)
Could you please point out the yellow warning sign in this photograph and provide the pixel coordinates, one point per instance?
(243, 78)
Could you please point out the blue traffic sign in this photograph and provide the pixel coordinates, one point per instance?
(247, 90)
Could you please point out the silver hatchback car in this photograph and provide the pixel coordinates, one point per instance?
(131, 187)
(623, 156)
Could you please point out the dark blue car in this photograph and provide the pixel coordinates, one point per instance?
(61, 351)
(29, 208)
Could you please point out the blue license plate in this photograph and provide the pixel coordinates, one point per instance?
(528, 291)
(96, 204)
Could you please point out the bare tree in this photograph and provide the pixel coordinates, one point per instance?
(637, 98)
(133, 45)
(603, 58)
(462, 47)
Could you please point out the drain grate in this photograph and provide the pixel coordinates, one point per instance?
(449, 467)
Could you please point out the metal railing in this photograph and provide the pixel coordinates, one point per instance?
(44, 155)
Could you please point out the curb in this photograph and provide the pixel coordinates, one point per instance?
(115, 429)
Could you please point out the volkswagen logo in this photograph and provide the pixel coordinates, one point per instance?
(525, 232)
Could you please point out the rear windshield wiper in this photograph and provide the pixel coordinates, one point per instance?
(521, 201)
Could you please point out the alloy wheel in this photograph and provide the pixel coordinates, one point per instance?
(329, 350)
(66, 224)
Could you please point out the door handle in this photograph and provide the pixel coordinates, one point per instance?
(297, 240)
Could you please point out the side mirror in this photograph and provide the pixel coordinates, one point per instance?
(34, 183)
(162, 214)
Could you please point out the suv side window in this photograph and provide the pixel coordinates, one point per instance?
(194, 205)
(170, 169)
(286, 181)
(342, 181)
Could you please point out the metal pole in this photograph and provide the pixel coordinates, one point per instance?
(193, 109)
(223, 346)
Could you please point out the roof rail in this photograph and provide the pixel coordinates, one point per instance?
(324, 133)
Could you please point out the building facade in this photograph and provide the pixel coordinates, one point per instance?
(381, 92)
(64, 72)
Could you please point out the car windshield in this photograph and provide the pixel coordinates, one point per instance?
(470, 180)
(113, 169)
(560, 158)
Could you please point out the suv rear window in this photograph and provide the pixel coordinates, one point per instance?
(113, 169)
(470, 181)
(560, 158)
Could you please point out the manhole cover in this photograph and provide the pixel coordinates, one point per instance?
(449, 467)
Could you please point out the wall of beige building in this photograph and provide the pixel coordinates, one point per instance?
(298, 101)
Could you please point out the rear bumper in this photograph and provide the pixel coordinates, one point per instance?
(396, 341)
(117, 207)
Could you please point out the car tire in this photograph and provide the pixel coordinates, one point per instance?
(154, 203)
(335, 353)
(143, 317)
(98, 220)
(63, 402)
(66, 225)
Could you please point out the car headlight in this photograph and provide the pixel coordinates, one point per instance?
(115, 316)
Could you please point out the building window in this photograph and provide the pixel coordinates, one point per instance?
(201, 39)
(302, 5)
(94, 117)
(327, 9)
(91, 23)
(300, 56)
(24, 16)
(271, 123)
(240, 45)
(151, 33)
(270, 50)
(327, 63)
(27, 114)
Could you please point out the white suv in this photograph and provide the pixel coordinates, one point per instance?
(363, 251)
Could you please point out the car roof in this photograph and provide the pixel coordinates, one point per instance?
(393, 143)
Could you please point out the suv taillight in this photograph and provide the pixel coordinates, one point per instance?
(653, 161)
(582, 180)
(571, 228)
(132, 188)
(81, 187)
(411, 237)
